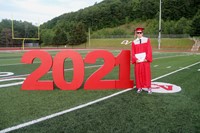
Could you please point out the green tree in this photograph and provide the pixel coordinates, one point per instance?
(151, 26)
(77, 34)
(175, 9)
(168, 27)
(6, 37)
(60, 37)
(183, 26)
(118, 31)
(47, 36)
(195, 30)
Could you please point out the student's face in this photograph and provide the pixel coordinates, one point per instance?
(139, 34)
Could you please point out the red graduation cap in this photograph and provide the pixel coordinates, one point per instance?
(139, 29)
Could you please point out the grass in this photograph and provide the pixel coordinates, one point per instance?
(128, 112)
(184, 44)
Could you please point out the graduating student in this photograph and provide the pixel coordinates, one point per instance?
(142, 57)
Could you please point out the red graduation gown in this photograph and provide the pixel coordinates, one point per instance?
(142, 69)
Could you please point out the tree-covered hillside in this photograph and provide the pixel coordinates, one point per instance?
(111, 13)
(178, 17)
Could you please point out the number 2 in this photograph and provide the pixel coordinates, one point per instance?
(123, 60)
(94, 81)
(32, 81)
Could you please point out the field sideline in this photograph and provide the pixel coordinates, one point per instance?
(122, 113)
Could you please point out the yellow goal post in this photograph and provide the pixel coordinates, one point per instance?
(23, 38)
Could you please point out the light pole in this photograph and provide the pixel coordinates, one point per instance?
(89, 37)
(159, 36)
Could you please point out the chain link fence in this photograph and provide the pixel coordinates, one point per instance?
(146, 35)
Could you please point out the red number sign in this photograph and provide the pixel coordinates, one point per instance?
(32, 81)
(123, 60)
(94, 82)
(58, 70)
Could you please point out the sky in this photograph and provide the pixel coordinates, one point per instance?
(40, 11)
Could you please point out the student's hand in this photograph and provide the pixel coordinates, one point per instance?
(137, 61)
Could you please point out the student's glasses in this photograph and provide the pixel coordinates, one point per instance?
(139, 32)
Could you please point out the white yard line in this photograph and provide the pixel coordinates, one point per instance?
(175, 71)
(168, 67)
(172, 56)
(83, 105)
(12, 64)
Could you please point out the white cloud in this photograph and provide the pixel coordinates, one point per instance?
(40, 10)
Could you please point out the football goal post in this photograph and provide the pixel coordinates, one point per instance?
(24, 38)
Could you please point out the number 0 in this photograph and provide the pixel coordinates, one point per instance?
(58, 70)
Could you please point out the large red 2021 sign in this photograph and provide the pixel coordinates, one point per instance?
(95, 80)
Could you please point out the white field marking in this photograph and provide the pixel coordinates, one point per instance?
(126, 42)
(175, 71)
(11, 84)
(155, 65)
(11, 59)
(198, 70)
(172, 56)
(3, 74)
(15, 64)
(83, 105)
(169, 67)
(186, 68)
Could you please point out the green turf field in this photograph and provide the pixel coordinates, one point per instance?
(126, 112)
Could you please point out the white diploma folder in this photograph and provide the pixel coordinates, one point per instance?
(141, 56)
